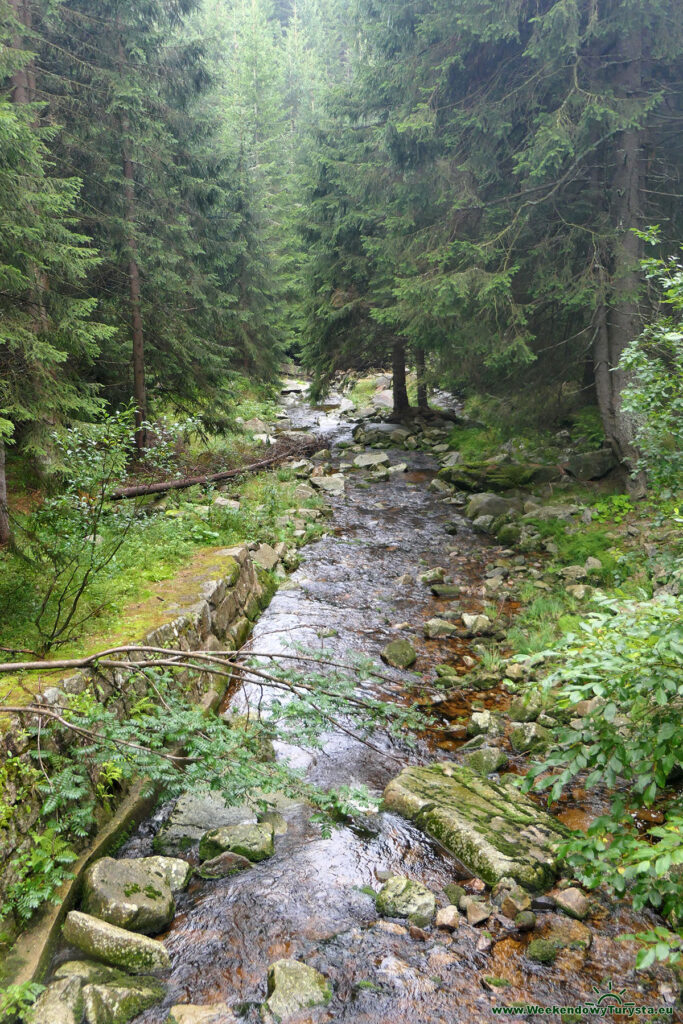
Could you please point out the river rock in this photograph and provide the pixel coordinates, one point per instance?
(402, 897)
(216, 1013)
(60, 1003)
(514, 903)
(449, 918)
(476, 625)
(436, 575)
(487, 504)
(178, 872)
(255, 842)
(130, 893)
(294, 986)
(477, 911)
(333, 485)
(366, 459)
(494, 830)
(529, 738)
(225, 864)
(484, 723)
(488, 476)
(435, 628)
(134, 953)
(399, 654)
(486, 760)
(543, 951)
(118, 1003)
(193, 815)
(525, 921)
(445, 590)
(572, 901)
(568, 934)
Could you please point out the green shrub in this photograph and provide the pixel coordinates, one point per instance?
(629, 656)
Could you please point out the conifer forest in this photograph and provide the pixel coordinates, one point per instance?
(341, 511)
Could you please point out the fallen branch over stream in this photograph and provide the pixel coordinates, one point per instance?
(282, 453)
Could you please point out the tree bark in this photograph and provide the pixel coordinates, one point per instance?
(5, 531)
(134, 288)
(398, 364)
(422, 394)
(618, 319)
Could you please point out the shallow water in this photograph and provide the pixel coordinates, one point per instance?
(306, 901)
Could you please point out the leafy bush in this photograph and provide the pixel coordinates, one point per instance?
(654, 397)
(627, 660)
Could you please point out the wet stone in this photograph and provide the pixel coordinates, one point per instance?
(402, 897)
(254, 842)
(118, 1003)
(215, 1013)
(294, 986)
(60, 1003)
(494, 830)
(436, 575)
(399, 654)
(130, 893)
(572, 901)
(529, 738)
(193, 815)
(448, 917)
(486, 760)
(137, 954)
(477, 912)
(525, 921)
(436, 628)
(542, 951)
(223, 865)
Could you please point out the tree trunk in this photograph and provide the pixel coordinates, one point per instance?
(139, 385)
(617, 319)
(398, 364)
(422, 395)
(4, 513)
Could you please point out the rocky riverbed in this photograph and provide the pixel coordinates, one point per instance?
(449, 900)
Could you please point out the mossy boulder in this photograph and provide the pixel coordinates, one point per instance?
(104, 995)
(131, 893)
(60, 1003)
(254, 842)
(543, 951)
(498, 476)
(117, 1004)
(134, 953)
(193, 815)
(402, 897)
(293, 986)
(493, 829)
(529, 738)
(486, 760)
(399, 654)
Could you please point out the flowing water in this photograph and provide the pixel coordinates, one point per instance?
(306, 902)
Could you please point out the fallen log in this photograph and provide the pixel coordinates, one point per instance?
(138, 490)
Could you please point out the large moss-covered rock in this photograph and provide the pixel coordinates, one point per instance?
(103, 994)
(486, 760)
(119, 1003)
(402, 897)
(131, 893)
(293, 986)
(494, 830)
(60, 1003)
(498, 476)
(178, 872)
(193, 815)
(255, 842)
(529, 738)
(135, 953)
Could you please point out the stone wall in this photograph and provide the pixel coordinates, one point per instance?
(211, 614)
